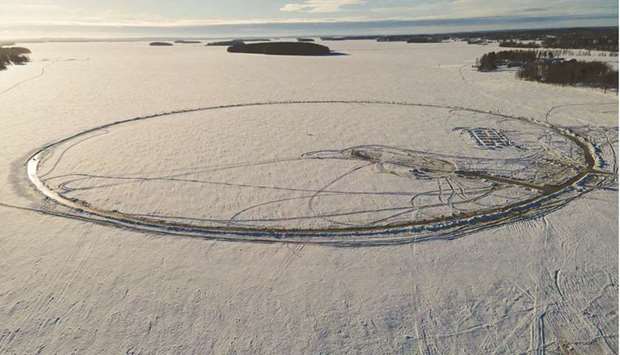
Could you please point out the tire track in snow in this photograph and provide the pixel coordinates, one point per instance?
(19, 83)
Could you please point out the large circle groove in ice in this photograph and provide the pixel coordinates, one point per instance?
(348, 172)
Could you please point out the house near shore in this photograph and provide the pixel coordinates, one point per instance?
(480, 41)
(550, 61)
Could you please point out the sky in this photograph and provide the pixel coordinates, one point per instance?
(19, 18)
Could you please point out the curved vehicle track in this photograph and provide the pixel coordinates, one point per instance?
(551, 197)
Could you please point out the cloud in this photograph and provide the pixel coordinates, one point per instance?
(320, 6)
(425, 9)
(87, 13)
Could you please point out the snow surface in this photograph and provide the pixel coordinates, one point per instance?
(72, 286)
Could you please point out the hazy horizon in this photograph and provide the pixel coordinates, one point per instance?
(210, 19)
(299, 29)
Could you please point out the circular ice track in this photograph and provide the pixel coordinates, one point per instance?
(340, 172)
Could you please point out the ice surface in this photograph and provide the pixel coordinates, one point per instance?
(547, 284)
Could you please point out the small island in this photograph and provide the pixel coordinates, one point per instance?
(281, 48)
(187, 41)
(225, 43)
(164, 44)
(305, 40)
(13, 55)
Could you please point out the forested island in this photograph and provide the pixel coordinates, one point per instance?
(161, 44)
(280, 48)
(13, 55)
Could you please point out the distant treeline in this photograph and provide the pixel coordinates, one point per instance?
(542, 66)
(517, 44)
(601, 41)
(13, 55)
(593, 38)
(411, 38)
(426, 39)
(414, 38)
(349, 38)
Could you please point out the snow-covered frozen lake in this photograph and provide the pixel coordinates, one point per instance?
(390, 135)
